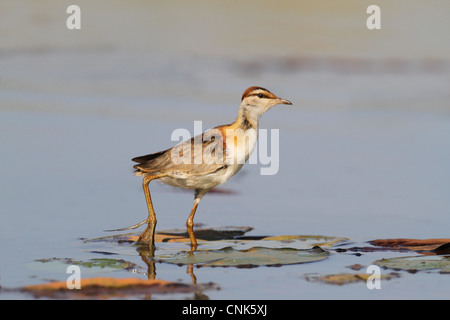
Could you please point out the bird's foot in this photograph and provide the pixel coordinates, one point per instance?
(137, 225)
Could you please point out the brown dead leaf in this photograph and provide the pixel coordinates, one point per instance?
(346, 278)
(202, 234)
(161, 238)
(425, 246)
(105, 287)
(356, 266)
(341, 279)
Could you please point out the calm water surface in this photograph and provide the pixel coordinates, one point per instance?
(364, 151)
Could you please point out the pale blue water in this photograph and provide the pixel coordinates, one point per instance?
(364, 151)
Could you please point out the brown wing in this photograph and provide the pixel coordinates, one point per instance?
(202, 154)
(148, 157)
(152, 163)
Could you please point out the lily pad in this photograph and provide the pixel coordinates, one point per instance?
(308, 241)
(253, 257)
(101, 288)
(417, 263)
(424, 246)
(91, 265)
(202, 234)
(208, 234)
(346, 278)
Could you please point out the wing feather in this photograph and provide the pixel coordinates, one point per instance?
(201, 155)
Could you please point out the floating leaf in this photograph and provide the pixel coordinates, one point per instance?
(309, 240)
(439, 246)
(91, 265)
(217, 238)
(207, 234)
(416, 263)
(253, 257)
(101, 287)
(356, 266)
(346, 278)
(202, 234)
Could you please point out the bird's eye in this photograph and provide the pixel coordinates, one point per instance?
(260, 95)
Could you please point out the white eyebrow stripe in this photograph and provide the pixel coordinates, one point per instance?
(267, 94)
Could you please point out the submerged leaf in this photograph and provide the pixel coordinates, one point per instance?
(253, 257)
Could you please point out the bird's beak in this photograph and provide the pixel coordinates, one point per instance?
(283, 101)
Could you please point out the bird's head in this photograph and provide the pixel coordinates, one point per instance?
(258, 100)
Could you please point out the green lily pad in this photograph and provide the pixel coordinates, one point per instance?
(91, 265)
(417, 263)
(253, 257)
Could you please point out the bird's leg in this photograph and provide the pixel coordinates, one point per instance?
(190, 271)
(190, 224)
(148, 236)
(199, 193)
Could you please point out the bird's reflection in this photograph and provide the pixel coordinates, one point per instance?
(147, 254)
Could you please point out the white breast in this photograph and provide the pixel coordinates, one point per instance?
(240, 144)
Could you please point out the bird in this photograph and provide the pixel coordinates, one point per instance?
(206, 160)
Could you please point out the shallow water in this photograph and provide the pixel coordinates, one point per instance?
(364, 151)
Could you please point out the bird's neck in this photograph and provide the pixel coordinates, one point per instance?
(246, 119)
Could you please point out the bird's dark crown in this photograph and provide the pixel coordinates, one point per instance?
(260, 92)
